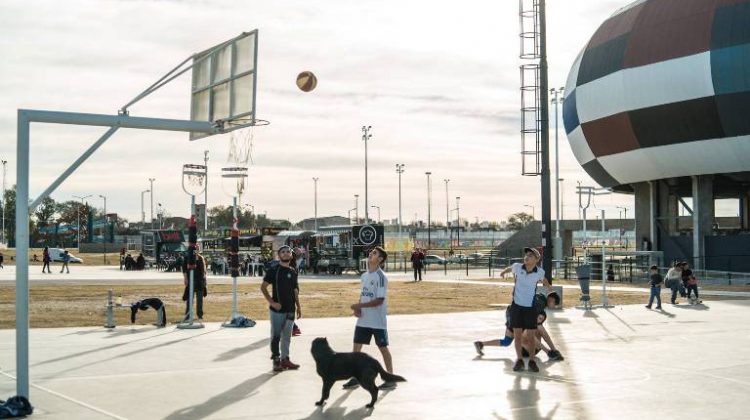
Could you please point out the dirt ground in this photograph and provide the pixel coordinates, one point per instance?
(84, 305)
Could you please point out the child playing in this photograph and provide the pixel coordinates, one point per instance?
(656, 282)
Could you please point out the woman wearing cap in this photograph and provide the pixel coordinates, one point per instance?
(523, 314)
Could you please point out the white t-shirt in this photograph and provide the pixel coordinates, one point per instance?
(374, 286)
(525, 289)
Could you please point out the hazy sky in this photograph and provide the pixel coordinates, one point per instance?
(439, 83)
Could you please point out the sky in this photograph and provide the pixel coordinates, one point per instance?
(438, 83)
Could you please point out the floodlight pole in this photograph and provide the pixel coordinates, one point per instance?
(4, 240)
(143, 213)
(315, 181)
(399, 170)
(365, 137)
(205, 192)
(151, 181)
(106, 228)
(544, 141)
(24, 119)
(447, 208)
(79, 218)
(429, 206)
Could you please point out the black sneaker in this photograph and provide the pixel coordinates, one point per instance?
(277, 367)
(479, 346)
(519, 366)
(352, 384)
(532, 366)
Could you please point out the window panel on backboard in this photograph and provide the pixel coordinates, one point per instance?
(221, 110)
(223, 64)
(245, 55)
(200, 106)
(201, 74)
(242, 100)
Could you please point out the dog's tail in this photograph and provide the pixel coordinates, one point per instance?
(389, 377)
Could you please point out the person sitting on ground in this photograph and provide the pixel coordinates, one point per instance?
(655, 283)
(692, 286)
(552, 300)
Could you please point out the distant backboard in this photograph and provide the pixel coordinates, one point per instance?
(224, 82)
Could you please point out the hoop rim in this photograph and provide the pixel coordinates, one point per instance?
(231, 124)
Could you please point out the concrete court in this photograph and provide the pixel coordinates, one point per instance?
(626, 362)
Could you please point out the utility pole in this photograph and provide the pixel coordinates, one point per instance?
(315, 181)
(365, 137)
(399, 170)
(447, 208)
(429, 205)
(356, 209)
(377, 207)
(143, 213)
(106, 228)
(557, 245)
(458, 220)
(151, 180)
(78, 234)
(205, 192)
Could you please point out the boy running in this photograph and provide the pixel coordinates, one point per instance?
(371, 313)
(656, 282)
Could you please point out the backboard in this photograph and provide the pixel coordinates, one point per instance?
(224, 84)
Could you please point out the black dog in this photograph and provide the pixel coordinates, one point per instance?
(332, 367)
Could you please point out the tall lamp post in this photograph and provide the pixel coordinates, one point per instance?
(399, 170)
(315, 181)
(429, 205)
(447, 207)
(106, 227)
(458, 221)
(377, 207)
(205, 192)
(151, 180)
(533, 211)
(356, 209)
(78, 234)
(143, 213)
(557, 99)
(365, 137)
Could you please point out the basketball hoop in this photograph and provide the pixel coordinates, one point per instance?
(234, 180)
(193, 179)
(242, 134)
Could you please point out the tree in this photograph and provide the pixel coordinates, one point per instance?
(9, 201)
(45, 211)
(519, 221)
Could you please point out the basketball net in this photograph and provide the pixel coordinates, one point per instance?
(241, 146)
(193, 179)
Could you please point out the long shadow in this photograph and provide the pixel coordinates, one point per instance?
(336, 411)
(240, 391)
(622, 321)
(665, 313)
(697, 307)
(131, 353)
(524, 401)
(608, 331)
(98, 349)
(239, 351)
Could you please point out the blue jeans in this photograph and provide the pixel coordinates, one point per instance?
(655, 293)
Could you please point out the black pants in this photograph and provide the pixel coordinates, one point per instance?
(46, 265)
(675, 289)
(692, 287)
(198, 302)
(417, 271)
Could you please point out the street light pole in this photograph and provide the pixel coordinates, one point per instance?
(205, 192)
(151, 180)
(356, 209)
(105, 228)
(533, 211)
(377, 207)
(78, 234)
(399, 170)
(315, 181)
(143, 213)
(365, 137)
(557, 242)
(447, 210)
(458, 220)
(429, 205)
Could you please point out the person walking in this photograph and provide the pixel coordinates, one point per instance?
(674, 276)
(283, 302)
(2, 258)
(371, 311)
(523, 314)
(46, 260)
(65, 262)
(656, 282)
(200, 289)
(417, 259)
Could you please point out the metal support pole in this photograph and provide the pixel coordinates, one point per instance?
(110, 316)
(399, 170)
(205, 192)
(4, 239)
(458, 220)
(22, 255)
(235, 312)
(151, 181)
(447, 208)
(544, 141)
(365, 137)
(315, 181)
(429, 208)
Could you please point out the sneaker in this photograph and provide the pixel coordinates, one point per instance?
(277, 366)
(658, 308)
(648, 306)
(533, 367)
(353, 383)
(519, 366)
(296, 331)
(555, 356)
(479, 346)
(387, 385)
(287, 364)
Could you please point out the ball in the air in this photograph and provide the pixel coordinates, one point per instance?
(307, 81)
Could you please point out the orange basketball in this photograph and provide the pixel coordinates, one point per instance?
(307, 81)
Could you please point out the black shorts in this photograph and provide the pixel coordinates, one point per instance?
(363, 335)
(523, 317)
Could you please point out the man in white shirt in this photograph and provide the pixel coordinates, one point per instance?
(371, 313)
(522, 313)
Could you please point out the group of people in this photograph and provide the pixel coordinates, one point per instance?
(128, 263)
(47, 259)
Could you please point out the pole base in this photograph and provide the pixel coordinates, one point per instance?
(190, 325)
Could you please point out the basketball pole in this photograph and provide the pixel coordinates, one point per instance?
(24, 119)
(544, 125)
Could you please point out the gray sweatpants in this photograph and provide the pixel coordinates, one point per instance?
(281, 331)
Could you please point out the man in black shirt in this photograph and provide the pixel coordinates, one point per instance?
(199, 285)
(282, 301)
(656, 282)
